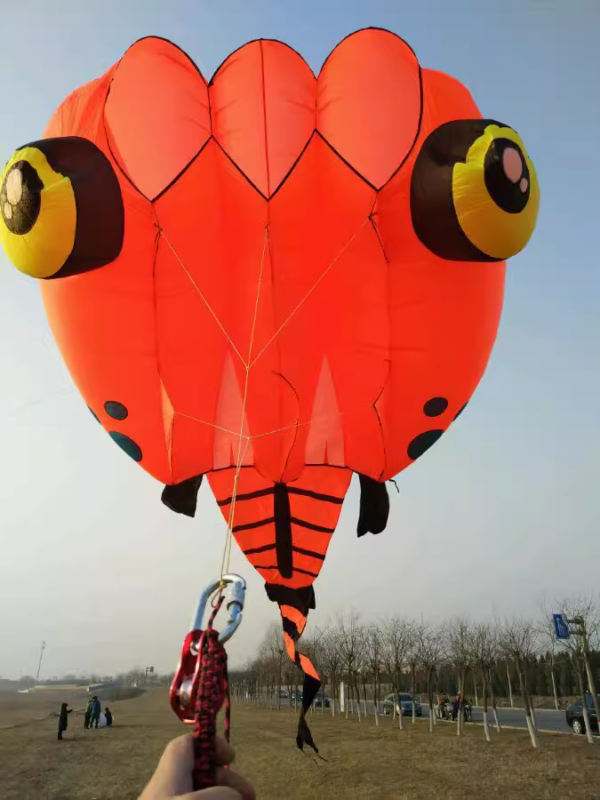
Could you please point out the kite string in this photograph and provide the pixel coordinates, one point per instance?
(204, 300)
(310, 291)
(249, 363)
(241, 455)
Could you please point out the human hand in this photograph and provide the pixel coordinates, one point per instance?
(173, 776)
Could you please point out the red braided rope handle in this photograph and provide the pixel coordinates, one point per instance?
(213, 692)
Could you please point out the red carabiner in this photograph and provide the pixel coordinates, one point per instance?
(184, 688)
(200, 687)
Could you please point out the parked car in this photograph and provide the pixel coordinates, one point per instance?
(322, 701)
(402, 701)
(574, 715)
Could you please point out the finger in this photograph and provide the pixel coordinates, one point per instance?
(173, 775)
(226, 777)
(224, 752)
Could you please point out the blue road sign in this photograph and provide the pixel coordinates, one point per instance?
(561, 626)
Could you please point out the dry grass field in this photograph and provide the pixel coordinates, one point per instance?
(364, 761)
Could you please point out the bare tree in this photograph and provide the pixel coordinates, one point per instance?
(429, 651)
(373, 646)
(270, 653)
(397, 638)
(583, 616)
(352, 651)
(331, 659)
(483, 654)
(518, 641)
(459, 630)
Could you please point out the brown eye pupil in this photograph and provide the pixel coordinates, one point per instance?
(507, 176)
(20, 198)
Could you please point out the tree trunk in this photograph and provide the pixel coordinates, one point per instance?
(334, 689)
(591, 681)
(280, 669)
(414, 689)
(430, 698)
(510, 694)
(475, 689)
(461, 690)
(525, 694)
(358, 699)
(586, 716)
(554, 692)
(486, 726)
(528, 699)
(493, 695)
(347, 698)
(400, 721)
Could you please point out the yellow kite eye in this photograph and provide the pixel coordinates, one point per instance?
(474, 192)
(61, 210)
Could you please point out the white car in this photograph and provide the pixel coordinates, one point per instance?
(402, 701)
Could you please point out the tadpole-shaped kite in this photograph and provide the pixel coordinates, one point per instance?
(272, 279)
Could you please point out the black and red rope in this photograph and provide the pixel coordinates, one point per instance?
(212, 694)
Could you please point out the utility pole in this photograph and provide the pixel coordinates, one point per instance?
(43, 647)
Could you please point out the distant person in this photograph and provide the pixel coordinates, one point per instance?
(108, 716)
(173, 776)
(456, 705)
(88, 714)
(63, 720)
(96, 709)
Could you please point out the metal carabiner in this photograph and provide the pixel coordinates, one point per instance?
(234, 604)
(184, 688)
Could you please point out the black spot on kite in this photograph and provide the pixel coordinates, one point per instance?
(435, 407)
(127, 445)
(421, 443)
(93, 413)
(459, 412)
(116, 410)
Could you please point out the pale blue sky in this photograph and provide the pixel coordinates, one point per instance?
(505, 508)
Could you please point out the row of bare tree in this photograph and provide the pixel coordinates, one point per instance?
(395, 654)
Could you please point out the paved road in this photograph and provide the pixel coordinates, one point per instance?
(547, 719)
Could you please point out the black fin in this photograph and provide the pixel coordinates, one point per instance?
(303, 599)
(310, 688)
(182, 498)
(374, 506)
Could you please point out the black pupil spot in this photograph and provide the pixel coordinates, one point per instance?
(21, 198)
(116, 410)
(126, 444)
(435, 407)
(421, 443)
(511, 196)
